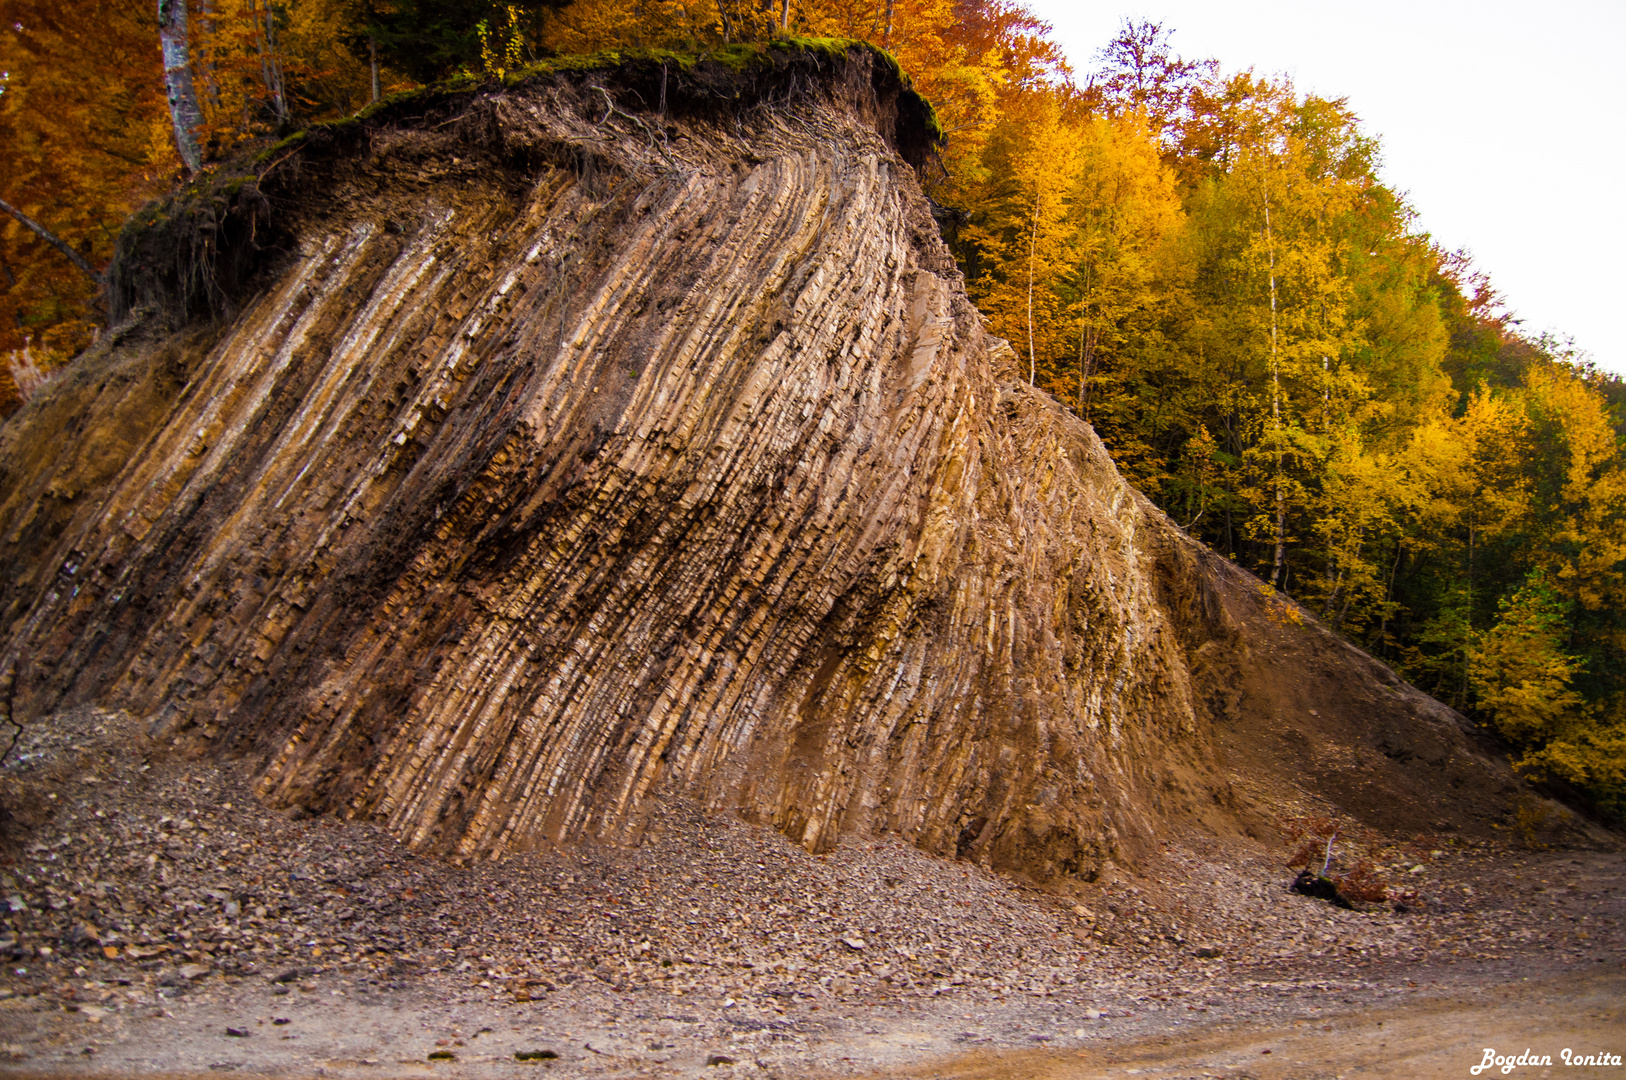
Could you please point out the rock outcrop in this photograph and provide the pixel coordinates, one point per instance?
(627, 430)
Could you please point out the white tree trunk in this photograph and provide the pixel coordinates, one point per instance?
(183, 99)
(1033, 247)
(1278, 564)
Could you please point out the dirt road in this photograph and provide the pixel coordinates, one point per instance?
(1442, 1037)
(1439, 1035)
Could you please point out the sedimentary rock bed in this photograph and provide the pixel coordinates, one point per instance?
(569, 448)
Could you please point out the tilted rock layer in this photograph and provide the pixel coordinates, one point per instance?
(574, 450)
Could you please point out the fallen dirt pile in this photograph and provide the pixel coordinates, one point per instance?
(158, 909)
(622, 435)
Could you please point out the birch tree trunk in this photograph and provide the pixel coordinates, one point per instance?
(1033, 247)
(1277, 567)
(183, 99)
(271, 63)
(1088, 337)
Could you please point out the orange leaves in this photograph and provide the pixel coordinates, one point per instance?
(258, 64)
(88, 135)
(77, 113)
(588, 26)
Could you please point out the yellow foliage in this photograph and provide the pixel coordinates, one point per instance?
(1520, 671)
(1026, 234)
(1586, 514)
(498, 62)
(1124, 207)
(1590, 756)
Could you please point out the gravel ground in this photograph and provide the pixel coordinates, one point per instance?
(155, 908)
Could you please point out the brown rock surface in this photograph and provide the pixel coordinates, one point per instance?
(569, 452)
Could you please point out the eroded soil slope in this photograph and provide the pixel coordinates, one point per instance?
(625, 434)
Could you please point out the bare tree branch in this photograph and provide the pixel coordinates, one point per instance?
(55, 241)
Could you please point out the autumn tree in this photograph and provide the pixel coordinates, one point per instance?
(1519, 669)
(1139, 71)
(1124, 209)
(1022, 235)
(88, 137)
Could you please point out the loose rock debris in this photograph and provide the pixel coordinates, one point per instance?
(158, 915)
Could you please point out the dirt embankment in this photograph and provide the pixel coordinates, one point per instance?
(622, 434)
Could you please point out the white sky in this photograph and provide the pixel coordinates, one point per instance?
(1503, 123)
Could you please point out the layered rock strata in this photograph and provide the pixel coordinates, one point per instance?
(582, 446)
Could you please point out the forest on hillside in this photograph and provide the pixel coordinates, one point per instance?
(1202, 263)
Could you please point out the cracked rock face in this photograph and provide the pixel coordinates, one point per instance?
(576, 456)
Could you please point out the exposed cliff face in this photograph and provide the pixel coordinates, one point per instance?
(573, 452)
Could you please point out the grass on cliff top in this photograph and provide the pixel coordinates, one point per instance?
(741, 59)
(181, 252)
